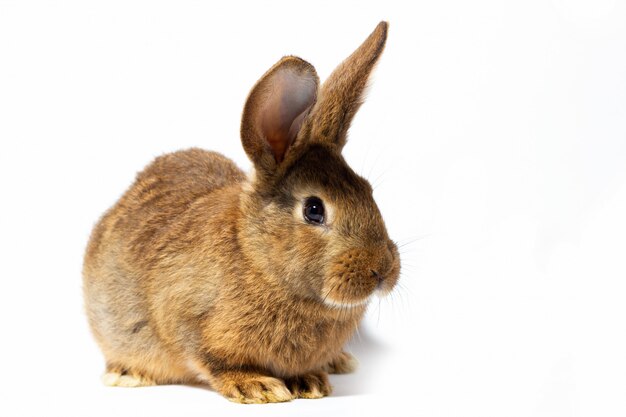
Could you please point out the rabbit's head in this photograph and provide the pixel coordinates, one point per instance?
(308, 220)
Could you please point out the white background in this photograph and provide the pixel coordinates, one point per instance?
(494, 132)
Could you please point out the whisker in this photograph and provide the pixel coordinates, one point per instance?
(376, 183)
(412, 240)
(367, 153)
(358, 334)
(409, 267)
(374, 164)
(329, 291)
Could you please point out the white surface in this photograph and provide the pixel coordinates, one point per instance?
(494, 132)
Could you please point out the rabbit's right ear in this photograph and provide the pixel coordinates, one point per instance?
(275, 111)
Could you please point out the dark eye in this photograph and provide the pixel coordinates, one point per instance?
(314, 210)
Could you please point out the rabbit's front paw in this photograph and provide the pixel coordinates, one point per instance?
(343, 364)
(117, 376)
(313, 385)
(253, 388)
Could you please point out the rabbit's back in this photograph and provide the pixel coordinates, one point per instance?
(162, 192)
(129, 235)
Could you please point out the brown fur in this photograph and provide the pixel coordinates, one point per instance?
(201, 274)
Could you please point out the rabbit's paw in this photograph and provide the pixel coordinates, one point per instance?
(312, 385)
(345, 363)
(122, 378)
(253, 389)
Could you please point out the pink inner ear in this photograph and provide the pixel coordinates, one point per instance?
(289, 97)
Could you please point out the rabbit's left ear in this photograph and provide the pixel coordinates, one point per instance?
(275, 111)
(342, 93)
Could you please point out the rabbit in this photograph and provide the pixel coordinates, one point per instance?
(252, 284)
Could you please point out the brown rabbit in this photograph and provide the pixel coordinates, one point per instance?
(252, 284)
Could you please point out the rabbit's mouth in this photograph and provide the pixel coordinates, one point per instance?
(357, 274)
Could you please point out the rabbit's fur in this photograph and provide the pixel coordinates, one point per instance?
(200, 273)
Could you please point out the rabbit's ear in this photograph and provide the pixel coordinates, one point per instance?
(342, 93)
(275, 111)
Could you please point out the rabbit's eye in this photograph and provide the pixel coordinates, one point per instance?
(314, 210)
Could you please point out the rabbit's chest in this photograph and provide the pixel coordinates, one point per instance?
(296, 342)
(282, 336)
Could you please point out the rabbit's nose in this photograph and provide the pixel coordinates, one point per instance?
(379, 278)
